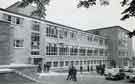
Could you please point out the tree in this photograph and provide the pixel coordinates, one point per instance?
(41, 9)
(40, 6)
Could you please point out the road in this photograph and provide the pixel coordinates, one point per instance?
(84, 78)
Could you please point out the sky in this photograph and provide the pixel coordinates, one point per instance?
(66, 12)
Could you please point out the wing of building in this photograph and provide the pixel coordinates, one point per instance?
(38, 41)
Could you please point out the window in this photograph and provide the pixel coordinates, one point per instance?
(73, 51)
(9, 18)
(35, 41)
(96, 52)
(49, 63)
(18, 43)
(17, 20)
(101, 42)
(89, 52)
(51, 49)
(66, 63)
(72, 62)
(63, 49)
(77, 62)
(61, 63)
(51, 31)
(13, 19)
(89, 38)
(96, 39)
(36, 26)
(80, 62)
(73, 35)
(85, 62)
(101, 52)
(55, 64)
(65, 34)
(88, 62)
(35, 53)
(82, 52)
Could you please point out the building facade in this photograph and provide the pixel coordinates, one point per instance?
(38, 41)
(120, 45)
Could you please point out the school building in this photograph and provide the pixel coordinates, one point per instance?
(38, 41)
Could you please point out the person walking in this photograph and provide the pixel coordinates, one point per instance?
(70, 72)
(91, 68)
(81, 69)
(74, 74)
(88, 68)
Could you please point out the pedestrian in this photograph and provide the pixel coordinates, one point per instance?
(91, 68)
(39, 68)
(74, 74)
(70, 72)
(47, 67)
(88, 68)
(81, 69)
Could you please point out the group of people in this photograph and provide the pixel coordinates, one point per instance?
(100, 69)
(72, 72)
(46, 68)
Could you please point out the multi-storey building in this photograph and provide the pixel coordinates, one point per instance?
(119, 44)
(37, 41)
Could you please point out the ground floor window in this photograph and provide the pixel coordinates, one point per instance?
(37, 61)
(61, 63)
(55, 64)
(66, 63)
(18, 43)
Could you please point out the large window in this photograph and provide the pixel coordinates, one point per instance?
(35, 52)
(13, 19)
(63, 50)
(18, 43)
(101, 41)
(61, 63)
(35, 41)
(89, 52)
(51, 31)
(51, 49)
(101, 52)
(89, 38)
(73, 35)
(96, 52)
(73, 51)
(82, 52)
(55, 64)
(36, 26)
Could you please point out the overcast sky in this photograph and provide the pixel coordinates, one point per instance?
(66, 12)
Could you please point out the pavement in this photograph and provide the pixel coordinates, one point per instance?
(82, 78)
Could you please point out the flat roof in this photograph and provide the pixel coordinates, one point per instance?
(47, 21)
(108, 28)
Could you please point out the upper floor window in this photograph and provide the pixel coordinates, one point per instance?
(51, 31)
(89, 52)
(73, 51)
(18, 43)
(51, 49)
(63, 50)
(101, 42)
(35, 41)
(13, 19)
(36, 26)
(73, 35)
(101, 52)
(82, 52)
(89, 38)
(35, 52)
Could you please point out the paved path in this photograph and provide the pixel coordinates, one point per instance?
(84, 78)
